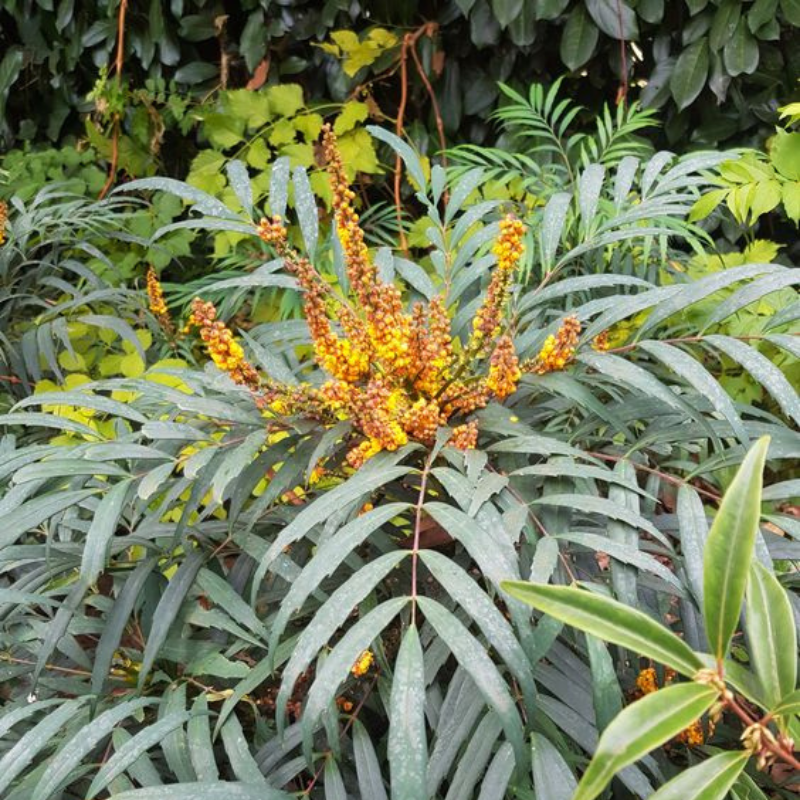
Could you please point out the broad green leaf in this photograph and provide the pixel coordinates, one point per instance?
(306, 207)
(729, 550)
(11, 716)
(408, 747)
(693, 528)
(409, 157)
(167, 610)
(198, 735)
(553, 221)
(763, 370)
(623, 576)
(606, 691)
(332, 778)
(711, 780)
(690, 73)
(771, 633)
(579, 39)
(475, 758)
(132, 749)
(552, 777)
(615, 18)
(610, 620)
(239, 181)
(473, 658)
(237, 751)
(235, 462)
(368, 768)
(640, 728)
(18, 757)
(102, 530)
(225, 596)
(279, 186)
(790, 704)
(82, 743)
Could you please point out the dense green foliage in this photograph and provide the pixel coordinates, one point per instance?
(252, 548)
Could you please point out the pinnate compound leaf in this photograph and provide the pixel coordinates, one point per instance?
(610, 620)
(711, 780)
(771, 633)
(34, 741)
(336, 667)
(729, 550)
(328, 619)
(82, 743)
(640, 728)
(133, 749)
(408, 746)
(472, 656)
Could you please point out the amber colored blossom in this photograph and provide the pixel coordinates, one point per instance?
(272, 231)
(360, 269)
(363, 663)
(394, 375)
(504, 371)
(600, 342)
(646, 681)
(223, 348)
(465, 437)
(3, 220)
(557, 350)
(422, 420)
(155, 296)
(432, 346)
(508, 250)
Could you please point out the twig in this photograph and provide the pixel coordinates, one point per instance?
(112, 169)
(417, 532)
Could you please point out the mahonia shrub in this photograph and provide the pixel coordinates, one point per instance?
(287, 573)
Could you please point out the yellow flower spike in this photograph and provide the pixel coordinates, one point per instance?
(508, 250)
(363, 664)
(557, 351)
(224, 350)
(504, 371)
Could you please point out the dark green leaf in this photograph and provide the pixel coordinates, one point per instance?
(711, 780)
(729, 550)
(610, 620)
(690, 73)
(640, 728)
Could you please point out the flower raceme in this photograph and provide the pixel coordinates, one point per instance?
(3, 220)
(398, 376)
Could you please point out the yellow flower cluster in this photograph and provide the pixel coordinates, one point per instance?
(508, 250)
(155, 296)
(3, 220)
(557, 350)
(647, 683)
(223, 348)
(504, 371)
(397, 376)
(363, 663)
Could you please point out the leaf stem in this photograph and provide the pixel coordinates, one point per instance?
(417, 532)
